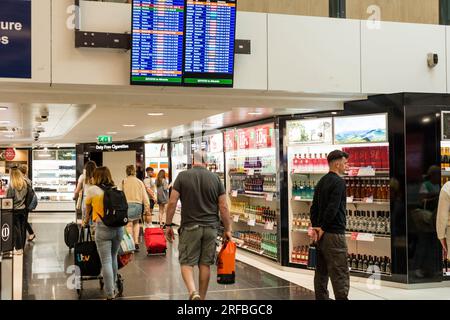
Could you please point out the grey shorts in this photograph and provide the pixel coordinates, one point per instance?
(197, 246)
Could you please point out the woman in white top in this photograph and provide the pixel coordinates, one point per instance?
(137, 199)
(84, 182)
(442, 220)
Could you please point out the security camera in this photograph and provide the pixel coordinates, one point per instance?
(43, 115)
(36, 136)
(433, 60)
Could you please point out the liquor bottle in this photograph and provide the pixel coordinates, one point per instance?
(305, 164)
(369, 189)
(295, 162)
(378, 194)
(388, 265)
(357, 194)
(354, 262)
(382, 265)
(377, 265)
(301, 163)
(360, 263)
(370, 267)
(387, 222)
(365, 264)
(363, 190)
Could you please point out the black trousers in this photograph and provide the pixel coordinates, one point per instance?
(19, 219)
(332, 264)
(28, 225)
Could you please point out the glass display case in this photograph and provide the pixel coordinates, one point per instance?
(54, 179)
(368, 186)
(213, 145)
(253, 188)
(156, 157)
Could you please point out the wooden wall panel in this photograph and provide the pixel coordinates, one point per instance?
(318, 8)
(413, 11)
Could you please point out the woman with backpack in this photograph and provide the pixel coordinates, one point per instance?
(18, 190)
(84, 182)
(162, 192)
(107, 238)
(138, 201)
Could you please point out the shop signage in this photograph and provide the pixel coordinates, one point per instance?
(10, 154)
(15, 39)
(6, 224)
(104, 139)
(230, 140)
(112, 147)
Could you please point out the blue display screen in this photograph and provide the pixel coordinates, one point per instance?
(183, 42)
(210, 33)
(157, 41)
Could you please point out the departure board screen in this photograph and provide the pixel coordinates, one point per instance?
(183, 42)
(157, 42)
(209, 48)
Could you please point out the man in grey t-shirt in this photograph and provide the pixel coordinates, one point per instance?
(202, 196)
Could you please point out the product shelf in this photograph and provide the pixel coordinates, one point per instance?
(352, 202)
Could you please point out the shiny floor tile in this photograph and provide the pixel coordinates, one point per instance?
(48, 275)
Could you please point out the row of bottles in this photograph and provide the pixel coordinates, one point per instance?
(270, 245)
(300, 255)
(254, 183)
(213, 166)
(304, 189)
(270, 183)
(261, 214)
(376, 222)
(252, 162)
(237, 182)
(363, 188)
(369, 264)
(316, 162)
(445, 157)
(301, 221)
(375, 157)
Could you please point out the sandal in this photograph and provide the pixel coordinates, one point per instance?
(194, 296)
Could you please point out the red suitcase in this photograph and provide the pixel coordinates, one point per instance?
(155, 241)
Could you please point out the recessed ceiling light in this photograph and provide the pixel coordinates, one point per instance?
(2, 108)
(426, 120)
(4, 121)
(9, 136)
(111, 132)
(334, 112)
(155, 114)
(255, 113)
(129, 125)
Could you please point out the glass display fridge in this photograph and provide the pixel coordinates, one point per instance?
(54, 179)
(181, 160)
(253, 188)
(365, 139)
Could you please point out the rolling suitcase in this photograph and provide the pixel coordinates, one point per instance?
(71, 234)
(155, 241)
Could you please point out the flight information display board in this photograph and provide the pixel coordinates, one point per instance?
(209, 35)
(183, 42)
(157, 42)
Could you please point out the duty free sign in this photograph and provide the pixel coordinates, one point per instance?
(15, 39)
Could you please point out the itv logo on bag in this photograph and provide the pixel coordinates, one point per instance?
(83, 258)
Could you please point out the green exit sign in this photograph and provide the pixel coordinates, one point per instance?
(104, 139)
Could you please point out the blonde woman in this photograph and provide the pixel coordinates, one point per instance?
(17, 190)
(138, 202)
(107, 238)
(162, 193)
(84, 182)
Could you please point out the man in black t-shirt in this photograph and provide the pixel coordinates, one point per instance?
(202, 196)
(328, 218)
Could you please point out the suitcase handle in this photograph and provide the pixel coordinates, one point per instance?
(81, 235)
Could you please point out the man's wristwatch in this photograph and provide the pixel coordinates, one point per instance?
(169, 225)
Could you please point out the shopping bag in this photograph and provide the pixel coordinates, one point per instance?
(226, 263)
(123, 260)
(86, 255)
(127, 244)
(312, 256)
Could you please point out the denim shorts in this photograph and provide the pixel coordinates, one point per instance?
(135, 211)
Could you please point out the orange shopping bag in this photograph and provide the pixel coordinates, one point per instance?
(226, 263)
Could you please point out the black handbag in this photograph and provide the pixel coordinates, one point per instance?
(86, 255)
(312, 256)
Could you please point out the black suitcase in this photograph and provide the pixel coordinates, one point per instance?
(71, 234)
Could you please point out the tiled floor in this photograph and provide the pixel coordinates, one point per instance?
(159, 278)
(47, 261)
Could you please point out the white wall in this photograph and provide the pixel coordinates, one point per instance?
(251, 70)
(89, 66)
(117, 163)
(394, 58)
(309, 54)
(40, 44)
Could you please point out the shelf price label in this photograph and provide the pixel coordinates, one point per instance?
(269, 225)
(235, 218)
(297, 198)
(368, 200)
(269, 197)
(251, 222)
(251, 172)
(350, 199)
(367, 237)
(234, 193)
(366, 171)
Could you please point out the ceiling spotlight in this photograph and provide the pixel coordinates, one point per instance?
(426, 120)
(155, 114)
(2, 108)
(111, 132)
(9, 136)
(255, 113)
(129, 125)
(4, 121)
(334, 112)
